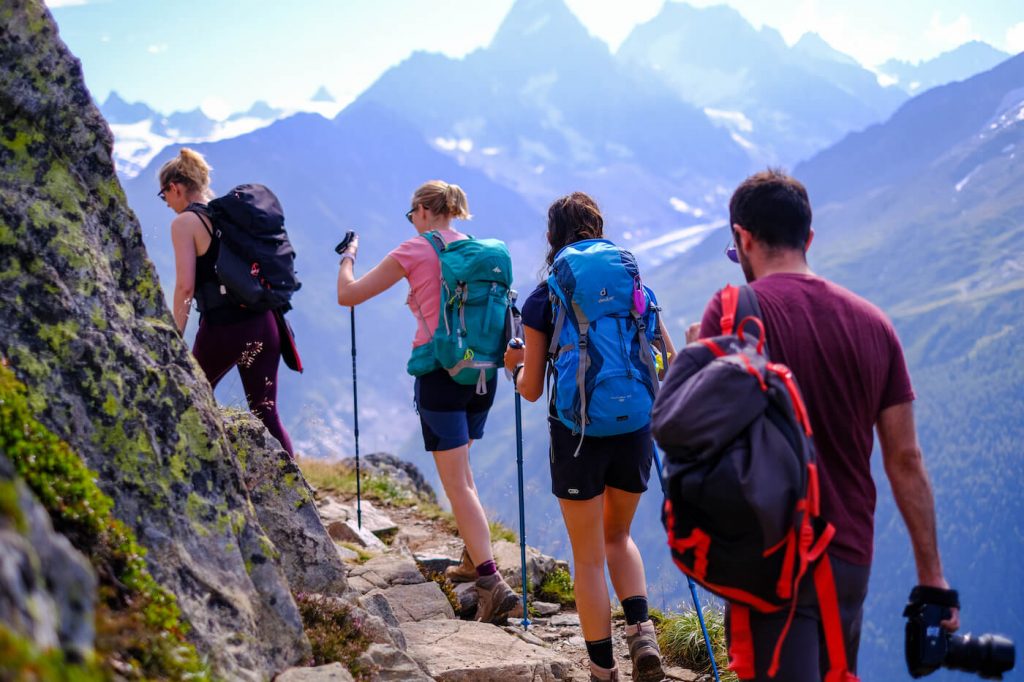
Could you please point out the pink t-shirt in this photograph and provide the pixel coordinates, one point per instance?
(423, 270)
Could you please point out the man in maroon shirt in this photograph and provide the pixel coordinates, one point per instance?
(848, 362)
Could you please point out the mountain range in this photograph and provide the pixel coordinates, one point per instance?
(917, 206)
(957, 64)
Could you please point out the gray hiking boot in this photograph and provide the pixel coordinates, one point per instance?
(599, 674)
(463, 573)
(494, 599)
(644, 652)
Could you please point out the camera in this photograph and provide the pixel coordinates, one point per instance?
(343, 244)
(929, 647)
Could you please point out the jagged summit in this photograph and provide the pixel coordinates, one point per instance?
(545, 25)
(814, 46)
(117, 110)
(323, 95)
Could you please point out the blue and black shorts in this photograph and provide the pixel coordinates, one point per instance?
(451, 414)
(622, 462)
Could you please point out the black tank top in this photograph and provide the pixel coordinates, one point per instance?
(206, 275)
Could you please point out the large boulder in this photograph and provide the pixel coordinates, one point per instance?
(85, 326)
(285, 508)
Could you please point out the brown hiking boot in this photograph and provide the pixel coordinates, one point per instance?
(599, 674)
(463, 573)
(644, 652)
(494, 599)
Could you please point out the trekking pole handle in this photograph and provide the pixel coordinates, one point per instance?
(516, 342)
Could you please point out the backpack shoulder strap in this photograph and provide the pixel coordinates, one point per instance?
(204, 216)
(739, 303)
(434, 239)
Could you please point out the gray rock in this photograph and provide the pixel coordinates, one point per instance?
(538, 566)
(435, 563)
(543, 608)
(93, 341)
(468, 651)
(565, 620)
(331, 510)
(374, 519)
(378, 605)
(47, 588)
(349, 531)
(424, 601)
(346, 554)
(285, 508)
(334, 672)
(387, 570)
(392, 665)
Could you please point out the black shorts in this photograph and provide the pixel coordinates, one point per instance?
(451, 414)
(622, 462)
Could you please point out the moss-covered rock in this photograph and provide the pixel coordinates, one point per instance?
(85, 327)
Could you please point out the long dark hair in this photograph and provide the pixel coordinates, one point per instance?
(572, 218)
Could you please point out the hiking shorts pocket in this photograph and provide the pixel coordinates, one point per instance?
(622, 462)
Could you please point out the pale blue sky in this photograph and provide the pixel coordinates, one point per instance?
(225, 54)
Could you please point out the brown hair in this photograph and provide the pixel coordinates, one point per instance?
(572, 218)
(774, 208)
(441, 198)
(190, 169)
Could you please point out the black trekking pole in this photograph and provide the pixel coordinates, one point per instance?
(518, 343)
(693, 586)
(340, 249)
(355, 421)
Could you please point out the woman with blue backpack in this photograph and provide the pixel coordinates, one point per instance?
(452, 395)
(597, 327)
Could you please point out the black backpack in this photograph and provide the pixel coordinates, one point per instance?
(256, 261)
(742, 498)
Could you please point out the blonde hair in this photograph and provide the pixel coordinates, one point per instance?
(441, 198)
(191, 170)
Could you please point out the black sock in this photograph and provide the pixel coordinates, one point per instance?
(600, 653)
(635, 609)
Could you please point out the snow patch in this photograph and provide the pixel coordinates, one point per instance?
(736, 120)
(683, 207)
(667, 246)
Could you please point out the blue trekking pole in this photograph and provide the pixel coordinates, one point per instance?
(518, 343)
(340, 250)
(689, 580)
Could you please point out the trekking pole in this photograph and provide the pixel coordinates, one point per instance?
(689, 580)
(355, 420)
(518, 343)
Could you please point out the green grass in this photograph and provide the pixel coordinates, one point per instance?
(340, 478)
(682, 642)
(499, 531)
(362, 556)
(557, 587)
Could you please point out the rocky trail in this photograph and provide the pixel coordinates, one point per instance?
(388, 562)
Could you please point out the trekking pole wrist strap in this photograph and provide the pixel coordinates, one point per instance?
(515, 374)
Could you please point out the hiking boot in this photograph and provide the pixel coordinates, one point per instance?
(599, 674)
(463, 573)
(494, 599)
(644, 652)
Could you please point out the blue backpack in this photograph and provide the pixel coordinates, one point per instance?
(602, 348)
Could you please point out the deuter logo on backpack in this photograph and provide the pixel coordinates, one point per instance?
(606, 328)
(475, 312)
(255, 260)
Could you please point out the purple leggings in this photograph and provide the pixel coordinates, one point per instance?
(254, 345)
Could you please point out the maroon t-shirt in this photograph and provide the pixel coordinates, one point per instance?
(849, 364)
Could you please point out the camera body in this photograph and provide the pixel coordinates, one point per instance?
(928, 647)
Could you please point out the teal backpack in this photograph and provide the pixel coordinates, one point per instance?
(476, 309)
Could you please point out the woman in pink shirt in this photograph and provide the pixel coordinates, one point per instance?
(452, 415)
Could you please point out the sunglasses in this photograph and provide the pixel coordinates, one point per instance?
(163, 192)
(408, 214)
(731, 253)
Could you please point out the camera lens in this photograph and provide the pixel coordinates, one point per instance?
(986, 655)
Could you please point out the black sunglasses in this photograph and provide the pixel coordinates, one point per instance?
(163, 192)
(408, 214)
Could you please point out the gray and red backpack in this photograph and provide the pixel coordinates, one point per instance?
(742, 505)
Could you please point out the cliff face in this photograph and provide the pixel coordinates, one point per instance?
(84, 326)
